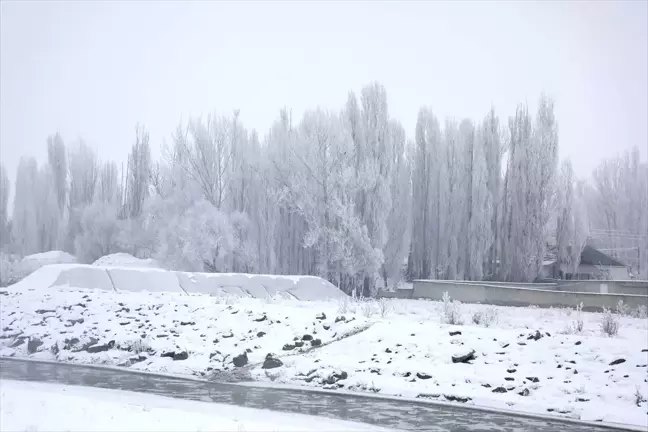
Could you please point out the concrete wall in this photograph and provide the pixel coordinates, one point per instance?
(508, 296)
(399, 294)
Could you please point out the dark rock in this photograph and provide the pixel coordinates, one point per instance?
(76, 321)
(340, 318)
(248, 350)
(316, 342)
(536, 336)
(499, 390)
(388, 351)
(307, 337)
(423, 376)
(505, 345)
(573, 362)
(33, 345)
(559, 366)
(271, 362)
(182, 355)
(185, 323)
(617, 361)
(644, 350)
(486, 385)
(575, 372)
(308, 379)
(548, 334)
(342, 375)
(582, 399)
(511, 370)
(44, 311)
(463, 358)
(524, 392)
(228, 335)
(455, 333)
(509, 378)
(375, 371)
(299, 344)
(240, 360)
(214, 354)
(522, 343)
(288, 347)
(235, 312)
(263, 318)
(326, 327)
(533, 379)
(578, 343)
(100, 348)
(321, 316)
(260, 334)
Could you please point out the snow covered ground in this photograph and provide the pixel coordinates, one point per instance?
(71, 408)
(550, 361)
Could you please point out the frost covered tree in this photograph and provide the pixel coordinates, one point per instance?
(99, 232)
(493, 150)
(82, 166)
(5, 186)
(57, 159)
(24, 217)
(137, 176)
(108, 190)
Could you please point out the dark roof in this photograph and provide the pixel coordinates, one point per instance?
(592, 256)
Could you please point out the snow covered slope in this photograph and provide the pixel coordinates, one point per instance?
(157, 280)
(72, 408)
(126, 260)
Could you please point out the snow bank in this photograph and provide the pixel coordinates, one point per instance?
(126, 260)
(132, 279)
(39, 260)
(73, 408)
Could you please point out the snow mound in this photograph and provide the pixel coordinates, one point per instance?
(125, 260)
(120, 279)
(31, 263)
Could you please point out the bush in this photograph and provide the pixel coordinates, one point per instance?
(622, 309)
(577, 324)
(384, 306)
(640, 312)
(451, 310)
(486, 317)
(609, 323)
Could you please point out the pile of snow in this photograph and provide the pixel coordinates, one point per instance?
(126, 260)
(132, 279)
(31, 263)
(73, 408)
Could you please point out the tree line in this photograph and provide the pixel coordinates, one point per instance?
(345, 195)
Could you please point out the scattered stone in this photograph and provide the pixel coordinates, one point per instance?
(307, 337)
(499, 390)
(33, 345)
(123, 323)
(288, 347)
(524, 392)
(453, 398)
(214, 354)
(44, 311)
(228, 335)
(375, 371)
(423, 376)
(388, 351)
(575, 372)
(463, 357)
(548, 334)
(260, 334)
(644, 350)
(536, 336)
(455, 333)
(100, 348)
(522, 343)
(509, 378)
(299, 344)
(533, 379)
(235, 312)
(580, 399)
(316, 342)
(240, 360)
(559, 366)
(182, 355)
(578, 343)
(76, 321)
(326, 327)
(271, 362)
(505, 345)
(573, 362)
(486, 385)
(215, 341)
(511, 370)
(617, 361)
(185, 323)
(340, 318)
(263, 318)
(320, 316)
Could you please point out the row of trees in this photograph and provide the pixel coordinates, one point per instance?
(344, 195)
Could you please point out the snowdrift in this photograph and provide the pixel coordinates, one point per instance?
(132, 279)
(31, 263)
(126, 260)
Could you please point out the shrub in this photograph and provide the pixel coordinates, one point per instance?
(384, 306)
(622, 308)
(641, 312)
(609, 323)
(486, 317)
(451, 310)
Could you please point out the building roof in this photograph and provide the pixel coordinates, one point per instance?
(592, 256)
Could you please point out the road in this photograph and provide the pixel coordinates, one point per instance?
(404, 415)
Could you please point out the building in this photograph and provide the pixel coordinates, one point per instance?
(594, 264)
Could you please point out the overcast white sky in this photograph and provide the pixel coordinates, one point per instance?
(95, 69)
